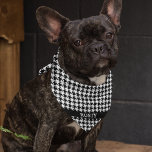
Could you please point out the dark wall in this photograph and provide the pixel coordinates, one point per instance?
(130, 117)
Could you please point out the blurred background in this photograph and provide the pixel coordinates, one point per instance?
(22, 55)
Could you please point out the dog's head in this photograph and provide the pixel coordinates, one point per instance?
(89, 45)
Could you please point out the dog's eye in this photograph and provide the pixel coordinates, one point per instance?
(109, 35)
(78, 43)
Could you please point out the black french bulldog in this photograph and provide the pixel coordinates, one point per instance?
(88, 50)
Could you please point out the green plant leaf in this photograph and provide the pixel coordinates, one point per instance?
(17, 135)
(22, 136)
(5, 130)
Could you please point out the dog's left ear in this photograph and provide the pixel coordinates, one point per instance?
(51, 22)
(112, 8)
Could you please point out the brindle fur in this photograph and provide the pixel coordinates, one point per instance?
(34, 111)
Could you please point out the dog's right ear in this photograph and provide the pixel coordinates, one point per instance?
(112, 8)
(51, 22)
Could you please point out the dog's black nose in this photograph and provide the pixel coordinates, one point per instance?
(100, 49)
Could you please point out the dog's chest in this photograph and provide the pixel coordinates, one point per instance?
(98, 80)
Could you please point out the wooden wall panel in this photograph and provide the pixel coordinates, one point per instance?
(9, 73)
(11, 20)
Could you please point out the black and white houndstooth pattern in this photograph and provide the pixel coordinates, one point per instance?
(85, 103)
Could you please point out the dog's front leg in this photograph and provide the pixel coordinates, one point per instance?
(88, 143)
(44, 136)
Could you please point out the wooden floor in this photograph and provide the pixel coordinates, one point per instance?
(111, 146)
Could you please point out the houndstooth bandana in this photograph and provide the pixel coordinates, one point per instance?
(86, 104)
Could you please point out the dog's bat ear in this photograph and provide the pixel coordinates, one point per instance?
(51, 22)
(112, 8)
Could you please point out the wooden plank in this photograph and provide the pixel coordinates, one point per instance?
(9, 73)
(111, 146)
(11, 20)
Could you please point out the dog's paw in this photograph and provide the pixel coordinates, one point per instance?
(70, 147)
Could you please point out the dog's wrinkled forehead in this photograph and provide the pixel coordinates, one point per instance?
(91, 27)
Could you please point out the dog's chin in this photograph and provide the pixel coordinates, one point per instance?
(96, 71)
(101, 68)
